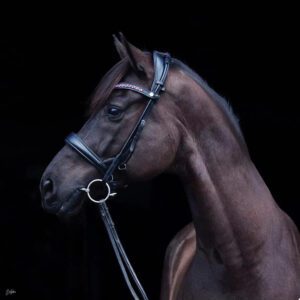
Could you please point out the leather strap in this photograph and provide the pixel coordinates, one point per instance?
(135, 88)
(161, 67)
(107, 167)
(161, 70)
(75, 142)
(120, 253)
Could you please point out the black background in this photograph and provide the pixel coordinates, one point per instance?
(51, 59)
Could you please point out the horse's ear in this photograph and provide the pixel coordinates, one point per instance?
(119, 47)
(136, 57)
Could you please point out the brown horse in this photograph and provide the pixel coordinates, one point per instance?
(241, 245)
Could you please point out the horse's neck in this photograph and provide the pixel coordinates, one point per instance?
(234, 213)
(232, 209)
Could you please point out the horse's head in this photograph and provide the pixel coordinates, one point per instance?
(115, 115)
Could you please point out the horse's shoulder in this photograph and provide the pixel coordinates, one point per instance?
(179, 255)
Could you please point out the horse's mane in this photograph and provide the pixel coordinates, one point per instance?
(221, 101)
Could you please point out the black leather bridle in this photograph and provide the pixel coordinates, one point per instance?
(108, 166)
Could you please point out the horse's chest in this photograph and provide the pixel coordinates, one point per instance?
(202, 285)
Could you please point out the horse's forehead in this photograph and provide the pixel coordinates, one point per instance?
(133, 78)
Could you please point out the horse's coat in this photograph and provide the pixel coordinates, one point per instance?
(179, 255)
(244, 247)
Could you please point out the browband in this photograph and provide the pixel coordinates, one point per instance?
(135, 88)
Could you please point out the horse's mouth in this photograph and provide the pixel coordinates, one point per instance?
(72, 205)
(78, 196)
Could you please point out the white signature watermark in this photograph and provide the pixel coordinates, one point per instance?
(10, 292)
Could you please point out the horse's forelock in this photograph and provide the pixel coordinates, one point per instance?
(107, 84)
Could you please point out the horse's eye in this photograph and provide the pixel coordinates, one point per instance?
(114, 112)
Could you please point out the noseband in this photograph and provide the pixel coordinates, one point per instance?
(108, 166)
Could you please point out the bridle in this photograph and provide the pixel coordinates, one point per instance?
(108, 166)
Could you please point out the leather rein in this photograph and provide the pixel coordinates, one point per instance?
(108, 166)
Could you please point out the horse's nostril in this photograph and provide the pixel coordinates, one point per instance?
(47, 186)
(49, 197)
(48, 191)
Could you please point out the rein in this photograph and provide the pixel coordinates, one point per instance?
(108, 166)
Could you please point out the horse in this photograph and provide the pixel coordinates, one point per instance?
(240, 244)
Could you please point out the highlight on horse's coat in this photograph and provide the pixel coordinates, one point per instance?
(154, 111)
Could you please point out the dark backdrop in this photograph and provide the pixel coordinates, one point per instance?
(50, 62)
